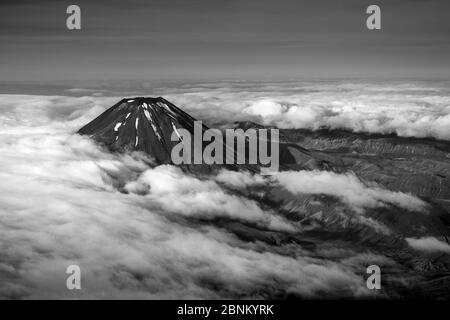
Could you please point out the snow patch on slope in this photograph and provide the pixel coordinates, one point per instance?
(176, 131)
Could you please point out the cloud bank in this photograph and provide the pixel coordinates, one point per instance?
(138, 232)
(176, 192)
(348, 188)
(409, 109)
(135, 232)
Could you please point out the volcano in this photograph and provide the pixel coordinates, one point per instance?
(140, 124)
(147, 124)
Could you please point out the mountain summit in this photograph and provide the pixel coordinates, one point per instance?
(140, 124)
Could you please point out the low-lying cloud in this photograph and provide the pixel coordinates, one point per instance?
(348, 188)
(140, 232)
(176, 192)
(428, 244)
(414, 109)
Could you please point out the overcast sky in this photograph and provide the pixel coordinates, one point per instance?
(217, 39)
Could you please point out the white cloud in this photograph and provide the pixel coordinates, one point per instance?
(428, 244)
(177, 192)
(346, 187)
(420, 109)
(265, 108)
(239, 180)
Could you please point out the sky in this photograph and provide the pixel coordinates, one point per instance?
(215, 39)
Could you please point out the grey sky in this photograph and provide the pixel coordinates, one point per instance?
(234, 39)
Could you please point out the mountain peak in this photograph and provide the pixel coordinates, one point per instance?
(140, 124)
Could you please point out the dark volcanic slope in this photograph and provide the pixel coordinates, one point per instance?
(141, 124)
(147, 124)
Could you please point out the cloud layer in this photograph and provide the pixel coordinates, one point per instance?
(138, 232)
(414, 109)
(135, 232)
